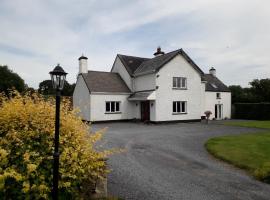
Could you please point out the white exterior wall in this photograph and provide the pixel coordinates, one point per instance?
(81, 99)
(211, 100)
(165, 95)
(127, 108)
(119, 68)
(145, 82)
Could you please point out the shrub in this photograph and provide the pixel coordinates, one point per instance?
(26, 147)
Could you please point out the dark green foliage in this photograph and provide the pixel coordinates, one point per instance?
(10, 80)
(258, 92)
(258, 111)
(46, 88)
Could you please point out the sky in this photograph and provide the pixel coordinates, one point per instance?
(232, 36)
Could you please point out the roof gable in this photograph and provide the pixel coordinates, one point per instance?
(105, 82)
(137, 66)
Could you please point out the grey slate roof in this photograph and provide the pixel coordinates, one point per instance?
(136, 65)
(131, 63)
(105, 82)
(214, 84)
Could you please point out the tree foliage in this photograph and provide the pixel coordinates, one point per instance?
(26, 146)
(46, 88)
(10, 80)
(258, 92)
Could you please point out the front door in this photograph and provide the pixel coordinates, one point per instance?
(145, 111)
(218, 111)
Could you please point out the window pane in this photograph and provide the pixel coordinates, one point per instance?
(117, 109)
(174, 82)
(174, 106)
(112, 106)
(107, 106)
(183, 106)
(183, 82)
(178, 106)
(178, 82)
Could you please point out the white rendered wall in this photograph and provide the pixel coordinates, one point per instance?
(81, 99)
(165, 95)
(211, 100)
(119, 68)
(145, 82)
(127, 108)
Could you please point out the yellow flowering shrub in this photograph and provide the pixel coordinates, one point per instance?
(26, 149)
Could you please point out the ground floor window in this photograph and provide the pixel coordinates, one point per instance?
(112, 106)
(179, 107)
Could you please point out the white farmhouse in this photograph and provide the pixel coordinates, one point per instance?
(167, 87)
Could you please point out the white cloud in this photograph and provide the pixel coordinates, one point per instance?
(232, 36)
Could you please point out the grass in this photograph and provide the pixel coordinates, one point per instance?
(247, 151)
(254, 124)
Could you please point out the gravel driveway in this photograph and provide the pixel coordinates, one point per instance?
(169, 161)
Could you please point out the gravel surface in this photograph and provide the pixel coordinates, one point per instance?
(169, 161)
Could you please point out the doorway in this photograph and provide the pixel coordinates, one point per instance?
(218, 111)
(145, 111)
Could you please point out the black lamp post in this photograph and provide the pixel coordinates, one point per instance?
(58, 76)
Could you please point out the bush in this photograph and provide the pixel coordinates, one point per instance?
(255, 111)
(26, 148)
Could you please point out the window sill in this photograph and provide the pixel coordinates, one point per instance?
(179, 88)
(219, 98)
(112, 112)
(179, 113)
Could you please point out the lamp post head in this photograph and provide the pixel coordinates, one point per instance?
(58, 76)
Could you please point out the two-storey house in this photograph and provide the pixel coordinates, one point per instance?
(167, 87)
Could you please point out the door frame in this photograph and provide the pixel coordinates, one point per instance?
(218, 111)
(145, 111)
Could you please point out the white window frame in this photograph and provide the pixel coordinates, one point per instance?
(179, 83)
(178, 104)
(110, 105)
(218, 95)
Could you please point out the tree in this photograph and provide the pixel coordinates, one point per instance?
(261, 89)
(258, 92)
(10, 80)
(46, 88)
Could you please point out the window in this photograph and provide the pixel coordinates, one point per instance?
(213, 85)
(112, 107)
(179, 107)
(218, 96)
(180, 82)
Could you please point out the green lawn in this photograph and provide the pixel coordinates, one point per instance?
(247, 151)
(255, 124)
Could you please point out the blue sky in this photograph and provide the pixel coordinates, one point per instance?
(232, 36)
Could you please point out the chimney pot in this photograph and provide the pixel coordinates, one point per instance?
(83, 65)
(212, 71)
(159, 52)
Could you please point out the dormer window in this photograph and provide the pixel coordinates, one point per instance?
(179, 83)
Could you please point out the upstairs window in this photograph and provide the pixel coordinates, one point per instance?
(218, 95)
(180, 82)
(112, 106)
(179, 107)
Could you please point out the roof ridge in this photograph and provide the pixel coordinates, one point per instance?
(133, 56)
(102, 71)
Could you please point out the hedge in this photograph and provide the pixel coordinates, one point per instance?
(255, 111)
